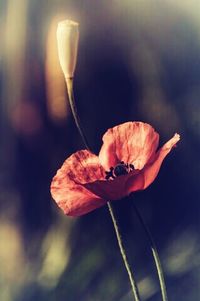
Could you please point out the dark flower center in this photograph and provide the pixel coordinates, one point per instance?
(119, 170)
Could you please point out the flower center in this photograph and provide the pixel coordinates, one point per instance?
(119, 170)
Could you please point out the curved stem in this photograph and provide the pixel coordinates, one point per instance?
(69, 82)
(155, 256)
(123, 253)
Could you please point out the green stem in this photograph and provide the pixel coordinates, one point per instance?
(123, 253)
(155, 256)
(69, 82)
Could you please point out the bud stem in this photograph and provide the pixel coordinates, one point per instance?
(69, 82)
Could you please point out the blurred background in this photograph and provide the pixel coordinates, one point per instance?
(137, 60)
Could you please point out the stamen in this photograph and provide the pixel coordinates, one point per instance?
(119, 170)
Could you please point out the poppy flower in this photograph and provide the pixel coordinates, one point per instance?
(128, 161)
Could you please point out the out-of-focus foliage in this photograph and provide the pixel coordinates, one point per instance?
(137, 60)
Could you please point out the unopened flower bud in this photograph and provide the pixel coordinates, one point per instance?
(67, 37)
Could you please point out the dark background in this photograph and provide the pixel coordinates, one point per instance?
(137, 60)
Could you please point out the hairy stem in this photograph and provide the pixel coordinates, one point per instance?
(69, 82)
(155, 256)
(123, 253)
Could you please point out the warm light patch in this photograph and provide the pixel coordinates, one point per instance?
(12, 258)
(56, 251)
(26, 119)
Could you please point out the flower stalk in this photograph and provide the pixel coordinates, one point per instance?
(155, 255)
(69, 82)
(123, 253)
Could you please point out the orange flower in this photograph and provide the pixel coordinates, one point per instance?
(128, 161)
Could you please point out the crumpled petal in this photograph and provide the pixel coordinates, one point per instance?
(83, 167)
(146, 176)
(132, 142)
(66, 188)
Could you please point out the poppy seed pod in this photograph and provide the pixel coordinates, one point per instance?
(67, 38)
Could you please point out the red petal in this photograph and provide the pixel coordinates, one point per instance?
(131, 142)
(146, 176)
(135, 180)
(111, 189)
(66, 188)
